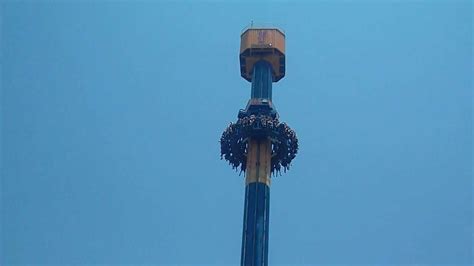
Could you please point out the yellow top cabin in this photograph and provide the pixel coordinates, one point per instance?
(262, 44)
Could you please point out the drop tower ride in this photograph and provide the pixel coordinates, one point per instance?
(258, 144)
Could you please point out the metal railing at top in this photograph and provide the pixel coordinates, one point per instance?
(254, 25)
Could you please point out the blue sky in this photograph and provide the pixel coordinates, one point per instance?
(111, 115)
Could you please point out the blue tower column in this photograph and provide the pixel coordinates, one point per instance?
(257, 204)
(257, 180)
(262, 80)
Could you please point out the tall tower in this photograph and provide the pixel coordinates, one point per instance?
(258, 144)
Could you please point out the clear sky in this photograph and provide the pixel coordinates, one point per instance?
(111, 115)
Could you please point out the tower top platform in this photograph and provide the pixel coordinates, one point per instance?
(262, 43)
